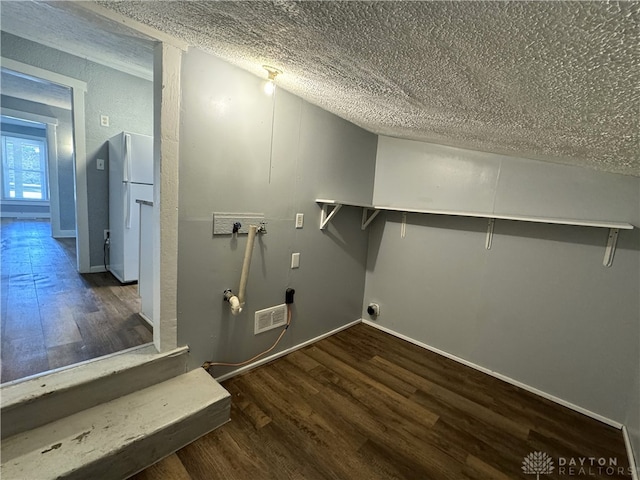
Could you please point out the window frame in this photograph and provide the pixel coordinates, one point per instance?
(44, 171)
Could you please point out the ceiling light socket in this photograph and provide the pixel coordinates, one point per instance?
(272, 72)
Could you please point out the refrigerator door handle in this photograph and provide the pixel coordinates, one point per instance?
(127, 202)
(127, 157)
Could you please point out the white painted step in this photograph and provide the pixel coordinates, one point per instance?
(121, 437)
(38, 400)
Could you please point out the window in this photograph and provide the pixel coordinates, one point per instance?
(24, 168)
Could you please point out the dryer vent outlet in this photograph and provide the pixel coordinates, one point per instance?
(373, 309)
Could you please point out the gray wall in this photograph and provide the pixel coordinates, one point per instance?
(225, 153)
(127, 100)
(632, 421)
(64, 147)
(538, 307)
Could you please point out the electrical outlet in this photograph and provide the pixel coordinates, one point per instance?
(100, 164)
(299, 220)
(107, 233)
(104, 121)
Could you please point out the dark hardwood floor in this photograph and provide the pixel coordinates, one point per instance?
(52, 316)
(365, 405)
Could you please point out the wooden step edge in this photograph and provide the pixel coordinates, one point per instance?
(121, 437)
(37, 401)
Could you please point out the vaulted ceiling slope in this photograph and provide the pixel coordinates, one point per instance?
(555, 81)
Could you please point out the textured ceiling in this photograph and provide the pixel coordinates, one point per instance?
(556, 81)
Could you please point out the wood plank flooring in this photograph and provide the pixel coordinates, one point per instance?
(365, 405)
(52, 316)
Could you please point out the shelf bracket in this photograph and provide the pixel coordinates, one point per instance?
(610, 250)
(326, 215)
(489, 240)
(366, 218)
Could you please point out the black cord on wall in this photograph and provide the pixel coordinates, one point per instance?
(105, 251)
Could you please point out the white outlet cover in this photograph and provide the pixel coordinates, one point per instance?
(104, 120)
(295, 260)
(299, 220)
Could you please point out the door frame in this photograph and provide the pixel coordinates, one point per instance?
(52, 164)
(78, 89)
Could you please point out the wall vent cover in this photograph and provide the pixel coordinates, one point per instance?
(270, 318)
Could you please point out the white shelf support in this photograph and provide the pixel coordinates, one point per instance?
(370, 212)
(610, 250)
(489, 241)
(326, 215)
(366, 218)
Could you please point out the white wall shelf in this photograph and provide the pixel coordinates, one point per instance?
(331, 207)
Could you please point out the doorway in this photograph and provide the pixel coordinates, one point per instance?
(52, 88)
(56, 311)
(36, 110)
(29, 25)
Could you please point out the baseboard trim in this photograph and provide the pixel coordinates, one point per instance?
(630, 453)
(65, 234)
(268, 359)
(499, 376)
(147, 320)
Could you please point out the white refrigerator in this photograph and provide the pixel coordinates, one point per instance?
(130, 179)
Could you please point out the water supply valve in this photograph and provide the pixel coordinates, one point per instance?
(234, 302)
